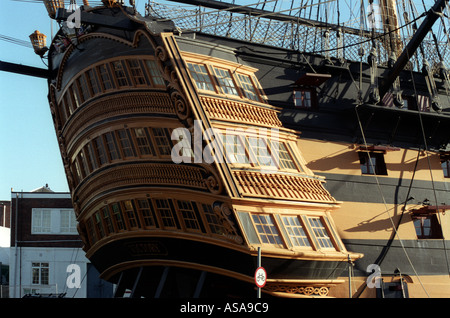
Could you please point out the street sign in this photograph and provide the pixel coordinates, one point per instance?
(260, 277)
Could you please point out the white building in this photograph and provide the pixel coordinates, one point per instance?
(46, 255)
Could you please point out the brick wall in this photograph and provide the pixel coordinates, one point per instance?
(23, 207)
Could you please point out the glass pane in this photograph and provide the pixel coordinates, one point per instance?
(201, 76)
(225, 81)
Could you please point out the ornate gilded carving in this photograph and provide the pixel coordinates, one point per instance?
(223, 213)
(223, 109)
(299, 290)
(282, 186)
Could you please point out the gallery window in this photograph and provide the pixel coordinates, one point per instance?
(267, 230)
(107, 219)
(137, 73)
(144, 209)
(125, 143)
(189, 216)
(247, 87)
(226, 81)
(296, 231)
(105, 77)
(144, 146)
(201, 76)
(130, 214)
(111, 146)
(261, 151)
(320, 233)
(115, 207)
(155, 74)
(120, 73)
(234, 149)
(213, 221)
(167, 215)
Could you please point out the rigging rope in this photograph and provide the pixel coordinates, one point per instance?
(385, 204)
(15, 41)
(430, 169)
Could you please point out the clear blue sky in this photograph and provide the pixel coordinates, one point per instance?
(29, 152)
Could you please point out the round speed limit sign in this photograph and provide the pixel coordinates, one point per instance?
(260, 277)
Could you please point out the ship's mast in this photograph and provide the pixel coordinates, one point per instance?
(391, 26)
(430, 18)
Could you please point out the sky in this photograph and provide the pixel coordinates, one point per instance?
(29, 152)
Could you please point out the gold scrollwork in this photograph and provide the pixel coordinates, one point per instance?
(223, 212)
(300, 290)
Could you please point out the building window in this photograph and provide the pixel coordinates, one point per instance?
(267, 231)
(372, 163)
(68, 222)
(41, 221)
(83, 164)
(225, 81)
(427, 227)
(40, 273)
(320, 233)
(304, 98)
(247, 87)
(201, 76)
(295, 231)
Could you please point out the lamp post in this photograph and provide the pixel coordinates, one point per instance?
(52, 6)
(39, 40)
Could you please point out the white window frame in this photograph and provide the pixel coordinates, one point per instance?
(55, 226)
